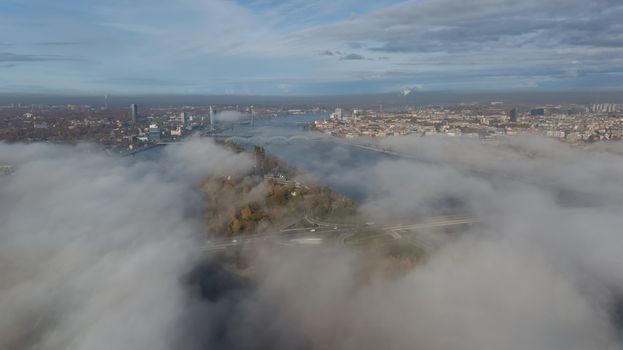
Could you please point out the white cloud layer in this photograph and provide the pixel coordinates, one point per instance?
(95, 253)
(93, 247)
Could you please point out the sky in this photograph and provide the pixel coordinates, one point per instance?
(309, 47)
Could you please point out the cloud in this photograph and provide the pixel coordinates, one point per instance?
(12, 57)
(352, 56)
(230, 116)
(93, 251)
(427, 25)
(57, 43)
(542, 262)
(484, 38)
(101, 252)
(469, 296)
(495, 34)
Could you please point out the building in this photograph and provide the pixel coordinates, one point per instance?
(211, 117)
(177, 132)
(41, 125)
(356, 113)
(513, 115)
(6, 169)
(337, 115)
(604, 108)
(154, 132)
(134, 113)
(260, 160)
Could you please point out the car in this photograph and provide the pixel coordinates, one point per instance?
(312, 230)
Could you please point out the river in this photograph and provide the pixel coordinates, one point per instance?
(328, 161)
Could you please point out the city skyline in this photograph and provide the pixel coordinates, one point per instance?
(311, 174)
(269, 47)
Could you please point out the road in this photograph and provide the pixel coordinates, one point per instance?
(339, 233)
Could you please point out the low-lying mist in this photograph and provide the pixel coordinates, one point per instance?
(230, 116)
(101, 252)
(92, 247)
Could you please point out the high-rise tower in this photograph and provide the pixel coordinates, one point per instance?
(513, 115)
(134, 112)
(338, 113)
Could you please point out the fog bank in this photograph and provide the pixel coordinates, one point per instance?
(100, 252)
